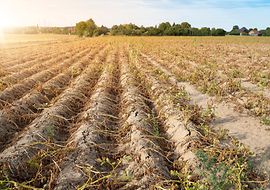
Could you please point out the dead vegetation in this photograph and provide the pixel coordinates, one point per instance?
(112, 113)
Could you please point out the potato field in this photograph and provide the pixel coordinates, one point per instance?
(134, 113)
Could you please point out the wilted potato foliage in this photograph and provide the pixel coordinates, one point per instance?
(135, 113)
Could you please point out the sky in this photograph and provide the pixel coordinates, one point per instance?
(199, 13)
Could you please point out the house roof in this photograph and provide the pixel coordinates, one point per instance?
(244, 29)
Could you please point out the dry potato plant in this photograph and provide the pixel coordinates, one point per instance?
(135, 113)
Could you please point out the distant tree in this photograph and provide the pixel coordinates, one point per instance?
(143, 30)
(57, 30)
(267, 31)
(114, 30)
(185, 25)
(185, 29)
(65, 30)
(86, 28)
(169, 32)
(220, 32)
(213, 32)
(236, 27)
(80, 28)
(195, 32)
(91, 27)
(205, 31)
(235, 30)
(128, 30)
(30, 30)
(263, 32)
(164, 28)
(132, 29)
(186, 32)
(101, 31)
(153, 31)
(177, 29)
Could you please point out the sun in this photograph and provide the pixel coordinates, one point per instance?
(3, 25)
(6, 18)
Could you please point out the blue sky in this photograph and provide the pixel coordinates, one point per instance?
(199, 13)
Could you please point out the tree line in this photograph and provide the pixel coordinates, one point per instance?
(165, 29)
(236, 30)
(89, 28)
(40, 30)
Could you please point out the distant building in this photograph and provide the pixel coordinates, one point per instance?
(254, 33)
(243, 31)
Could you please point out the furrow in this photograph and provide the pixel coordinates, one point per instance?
(67, 52)
(27, 72)
(13, 119)
(88, 143)
(20, 59)
(52, 126)
(18, 90)
(147, 167)
(238, 124)
(42, 58)
(255, 88)
(45, 55)
(209, 80)
(178, 129)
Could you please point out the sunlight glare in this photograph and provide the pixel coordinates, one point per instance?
(1, 36)
(6, 19)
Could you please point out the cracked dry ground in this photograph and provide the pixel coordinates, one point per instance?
(119, 113)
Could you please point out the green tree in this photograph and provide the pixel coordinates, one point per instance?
(235, 30)
(114, 30)
(152, 31)
(220, 32)
(205, 31)
(185, 29)
(236, 27)
(267, 31)
(177, 29)
(195, 32)
(164, 28)
(143, 30)
(185, 25)
(101, 31)
(128, 30)
(91, 27)
(80, 28)
(86, 28)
